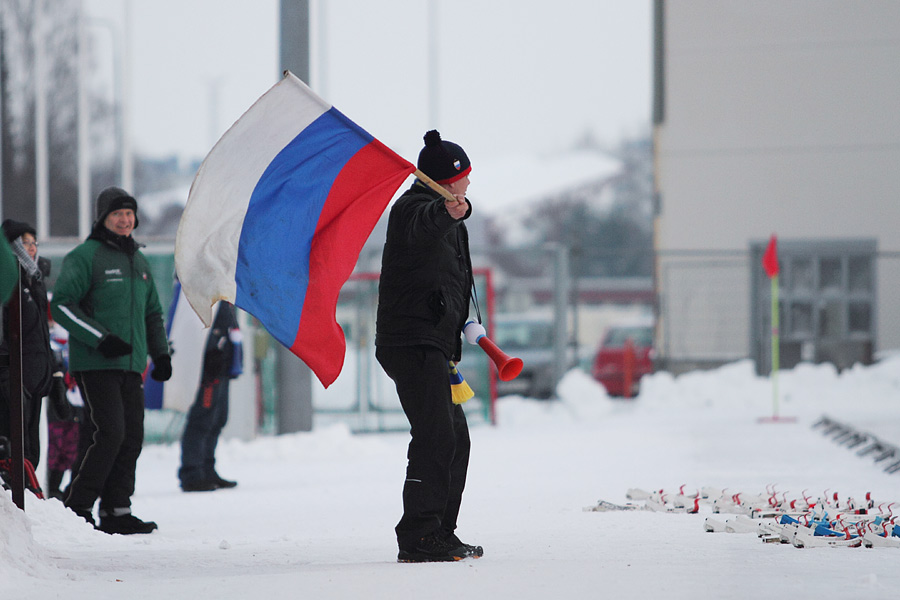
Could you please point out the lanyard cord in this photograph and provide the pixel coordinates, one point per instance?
(475, 300)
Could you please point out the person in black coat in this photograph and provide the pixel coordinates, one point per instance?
(423, 303)
(36, 353)
(209, 413)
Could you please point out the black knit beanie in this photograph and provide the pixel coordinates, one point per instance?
(14, 229)
(443, 161)
(112, 199)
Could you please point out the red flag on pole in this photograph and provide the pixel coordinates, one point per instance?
(770, 258)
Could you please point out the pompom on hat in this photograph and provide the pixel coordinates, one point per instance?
(443, 161)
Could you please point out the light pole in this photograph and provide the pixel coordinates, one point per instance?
(433, 64)
(84, 156)
(125, 99)
(41, 153)
(126, 168)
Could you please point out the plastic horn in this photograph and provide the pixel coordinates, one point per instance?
(508, 366)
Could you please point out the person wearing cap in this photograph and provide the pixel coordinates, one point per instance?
(106, 298)
(35, 336)
(423, 303)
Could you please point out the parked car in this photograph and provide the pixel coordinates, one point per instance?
(610, 363)
(530, 338)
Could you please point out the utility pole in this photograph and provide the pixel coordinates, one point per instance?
(41, 153)
(294, 412)
(433, 65)
(84, 123)
(127, 146)
(561, 294)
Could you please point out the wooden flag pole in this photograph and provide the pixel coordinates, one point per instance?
(434, 185)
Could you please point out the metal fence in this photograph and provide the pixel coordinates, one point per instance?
(705, 307)
(363, 397)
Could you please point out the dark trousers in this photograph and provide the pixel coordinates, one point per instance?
(438, 454)
(31, 412)
(114, 405)
(205, 421)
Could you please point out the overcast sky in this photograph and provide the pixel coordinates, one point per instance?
(515, 76)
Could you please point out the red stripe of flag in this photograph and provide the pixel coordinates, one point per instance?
(356, 201)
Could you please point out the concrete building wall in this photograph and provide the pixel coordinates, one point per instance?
(777, 117)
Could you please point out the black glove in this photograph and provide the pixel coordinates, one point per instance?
(58, 398)
(162, 368)
(112, 346)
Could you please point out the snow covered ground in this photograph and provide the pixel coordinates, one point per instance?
(313, 515)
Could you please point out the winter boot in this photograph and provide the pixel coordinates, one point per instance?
(124, 524)
(431, 548)
(223, 483)
(473, 551)
(199, 486)
(54, 478)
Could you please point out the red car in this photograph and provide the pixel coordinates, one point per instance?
(625, 355)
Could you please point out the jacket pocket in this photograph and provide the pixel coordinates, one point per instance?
(437, 306)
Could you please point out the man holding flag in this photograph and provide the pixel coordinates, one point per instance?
(296, 172)
(423, 303)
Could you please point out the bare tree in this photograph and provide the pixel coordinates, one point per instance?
(58, 39)
(607, 225)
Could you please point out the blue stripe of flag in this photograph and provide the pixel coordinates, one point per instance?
(272, 271)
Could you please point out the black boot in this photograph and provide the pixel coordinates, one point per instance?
(431, 548)
(54, 478)
(125, 524)
(221, 482)
(473, 551)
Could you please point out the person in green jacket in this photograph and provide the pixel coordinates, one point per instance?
(105, 297)
(8, 266)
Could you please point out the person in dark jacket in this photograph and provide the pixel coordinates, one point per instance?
(36, 354)
(106, 298)
(423, 303)
(209, 413)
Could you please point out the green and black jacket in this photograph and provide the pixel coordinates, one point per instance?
(105, 286)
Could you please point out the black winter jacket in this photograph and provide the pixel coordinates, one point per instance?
(219, 353)
(36, 354)
(426, 275)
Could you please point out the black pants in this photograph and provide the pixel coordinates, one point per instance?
(114, 403)
(31, 411)
(207, 417)
(438, 455)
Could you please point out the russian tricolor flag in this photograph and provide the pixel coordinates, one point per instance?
(277, 215)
